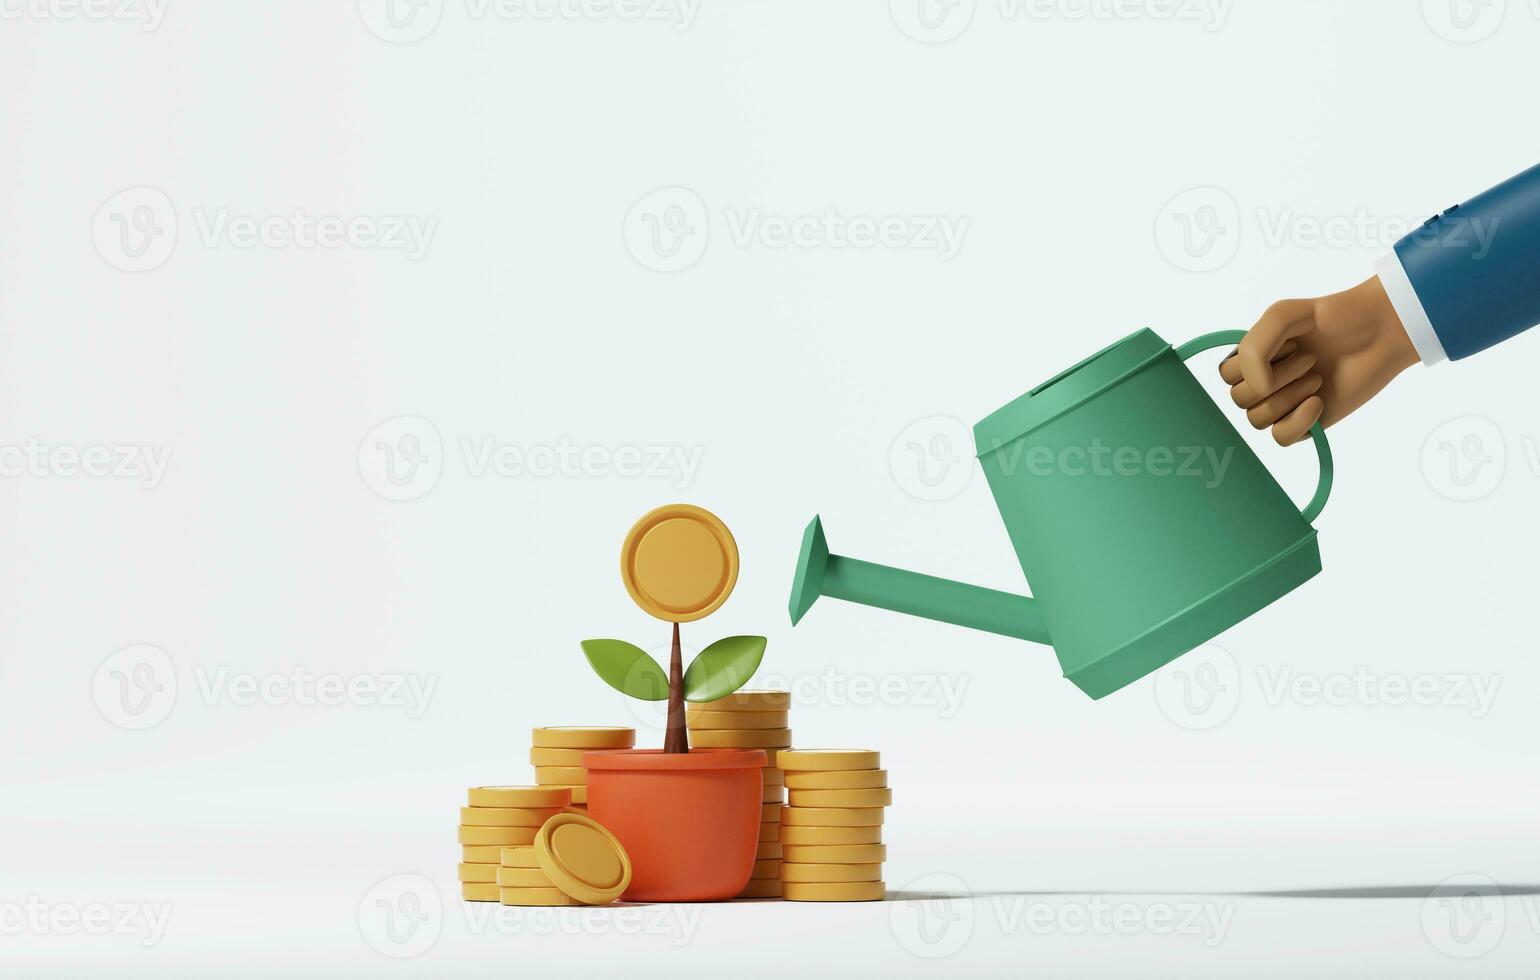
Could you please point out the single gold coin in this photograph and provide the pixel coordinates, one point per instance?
(827, 760)
(771, 776)
(478, 872)
(773, 794)
(518, 857)
(823, 836)
(835, 854)
(527, 797)
(770, 812)
(745, 699)
(561, 775)
(830, 872)
(583, 858)
(716, 738)
(480, 853)
(769, 832)
(824, 816)
(535, 896)
(841, 797)
(840, 779)
(841, 891)
(478, 891)
(523, 878)
(555, 757)
(737, 720)
(762, 888)
(679, 563)
(768, 849)
(507, 816)
(579, 737)
(499, 836)
(768, 868)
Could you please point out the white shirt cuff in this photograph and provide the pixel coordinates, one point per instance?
(1398, 286)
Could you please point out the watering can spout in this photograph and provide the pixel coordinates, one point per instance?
(820, 573)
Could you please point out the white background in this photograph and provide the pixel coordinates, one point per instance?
(1073, 143)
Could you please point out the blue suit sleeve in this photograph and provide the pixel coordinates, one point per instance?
(1476, 267)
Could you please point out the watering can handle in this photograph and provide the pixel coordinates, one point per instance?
(1317, 503)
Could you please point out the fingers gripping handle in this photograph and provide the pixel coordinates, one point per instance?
(1223, 338)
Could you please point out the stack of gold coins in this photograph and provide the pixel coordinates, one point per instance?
(499, 817)
(557, 755)
(831, 833)
(752, 720)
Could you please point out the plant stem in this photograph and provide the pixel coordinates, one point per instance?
(676, 739)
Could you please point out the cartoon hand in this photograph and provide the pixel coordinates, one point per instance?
(1310, 360)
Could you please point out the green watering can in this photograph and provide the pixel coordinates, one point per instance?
(1143, 521)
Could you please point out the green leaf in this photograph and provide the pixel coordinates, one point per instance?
(627, 668)
(723, 667)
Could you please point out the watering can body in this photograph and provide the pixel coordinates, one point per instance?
(1144, 523)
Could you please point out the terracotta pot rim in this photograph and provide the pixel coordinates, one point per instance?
(657, 759)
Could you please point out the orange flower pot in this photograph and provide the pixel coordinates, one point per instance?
(689, 821)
